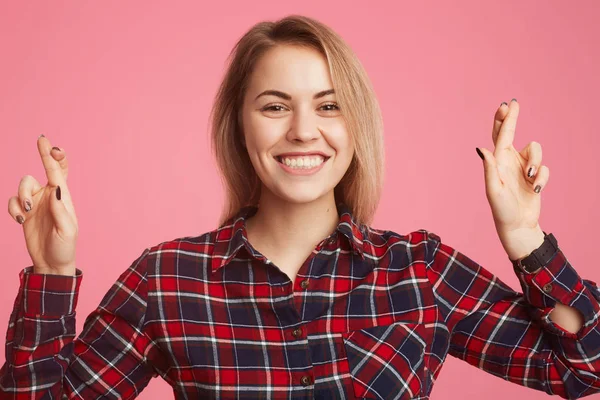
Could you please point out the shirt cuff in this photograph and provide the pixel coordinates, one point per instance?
(557, 281)
(47, 294)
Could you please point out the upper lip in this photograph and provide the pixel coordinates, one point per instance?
(300, 153)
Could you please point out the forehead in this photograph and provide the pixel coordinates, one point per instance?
(291, 69)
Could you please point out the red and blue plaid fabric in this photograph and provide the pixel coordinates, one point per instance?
(371, 314)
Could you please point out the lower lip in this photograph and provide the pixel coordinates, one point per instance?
(298, 171)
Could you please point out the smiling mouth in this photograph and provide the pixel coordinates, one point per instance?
(279, 159)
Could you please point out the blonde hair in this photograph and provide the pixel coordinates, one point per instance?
(361, 186)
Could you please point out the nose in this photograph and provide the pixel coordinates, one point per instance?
(304, 127)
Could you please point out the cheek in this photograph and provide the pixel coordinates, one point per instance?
(341, 141)
(263, 133)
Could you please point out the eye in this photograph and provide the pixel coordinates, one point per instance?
(271, 107)
(279, 107)
(331, 105)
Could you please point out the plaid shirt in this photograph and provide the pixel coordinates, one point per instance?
(371, 314)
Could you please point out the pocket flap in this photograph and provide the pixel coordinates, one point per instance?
(386, 362)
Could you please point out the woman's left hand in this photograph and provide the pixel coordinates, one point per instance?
(509, 189)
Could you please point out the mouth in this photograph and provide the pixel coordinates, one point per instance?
(279, 159)
(305, 170)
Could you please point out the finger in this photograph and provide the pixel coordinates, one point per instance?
(28, 187)
(61, 214)
(15, 210)
(509, 125)
(56, 167)
(51, 166)
(533, 154)
(541, 178)
(60, 155)
(499, 117)
(493, 182)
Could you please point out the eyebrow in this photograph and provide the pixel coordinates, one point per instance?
(286, 96)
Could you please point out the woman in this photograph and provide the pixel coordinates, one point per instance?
(295, 296)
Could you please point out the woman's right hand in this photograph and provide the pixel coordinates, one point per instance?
(50, 227)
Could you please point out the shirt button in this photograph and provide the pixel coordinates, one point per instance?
(305, 380)
(304, 284)
(547, 288)
(297, 332)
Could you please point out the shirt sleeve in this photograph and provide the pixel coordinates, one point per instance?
(510, 334)
(109, 358)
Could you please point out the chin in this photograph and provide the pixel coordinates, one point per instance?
(301, 196)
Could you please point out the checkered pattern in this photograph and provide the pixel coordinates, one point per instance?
(372, 314)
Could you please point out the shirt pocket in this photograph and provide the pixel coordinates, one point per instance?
(386, 362)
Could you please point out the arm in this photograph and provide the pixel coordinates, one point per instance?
(511, 334)
(568, 318)
(43, 358)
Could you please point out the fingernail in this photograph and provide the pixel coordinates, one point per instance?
(58, 192)
(56, 148)
(42, 135)
(537, 189)
(20, 219)
(530, 172)
(480, 153)
(514, 100)
(27, 206)
(503, 103)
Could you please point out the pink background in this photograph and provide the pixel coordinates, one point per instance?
(126, 88)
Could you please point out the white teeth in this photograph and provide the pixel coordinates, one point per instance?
(302, 162)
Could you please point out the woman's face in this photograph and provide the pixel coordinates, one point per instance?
(299, 122)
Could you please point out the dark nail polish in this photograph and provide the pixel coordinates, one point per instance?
(56, 148)
(514, 100)
(20, 219)
(505, 103)
(537, 189)
(530, 172)
(27, 206)
(480, 153)
(42, 135)
(58, 192)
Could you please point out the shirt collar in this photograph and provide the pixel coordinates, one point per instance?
(231, 236)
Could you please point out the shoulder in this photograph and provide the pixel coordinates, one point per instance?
(181, 252)
(412, 238)
(201, 243)
(197, 246)
(421, 243)
(167, 261)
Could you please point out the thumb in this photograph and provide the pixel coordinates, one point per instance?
(490, 169)
(62, 219)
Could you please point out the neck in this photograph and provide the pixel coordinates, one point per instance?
(281, 226)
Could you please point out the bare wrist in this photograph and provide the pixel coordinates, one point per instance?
(67, 271)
